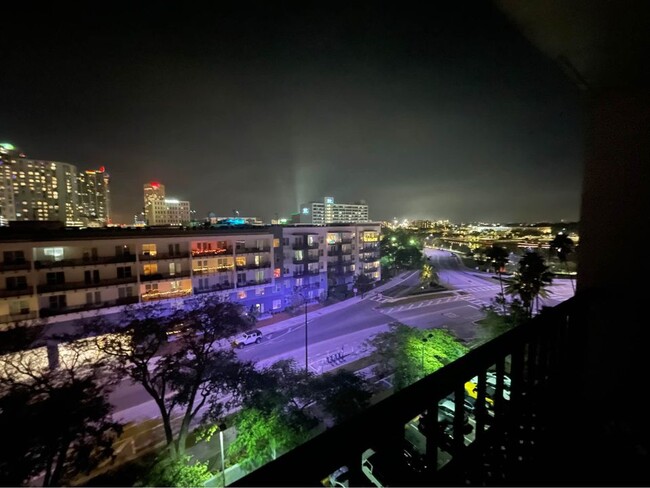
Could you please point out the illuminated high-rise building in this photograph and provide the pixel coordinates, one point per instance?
(329, 212)
(32, 189)
(94, 197)
(160, 210)
(36, 190)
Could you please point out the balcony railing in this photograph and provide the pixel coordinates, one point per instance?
(16, 292)
(76, 285)
(213, 288)
(17, 317)
(245, 250)
(264, 281)
(164, 276)
(212, 270)
(534, 355)
(241, 267)
(163, 295)
(304, 245)
(368, 259)
(199, 253)
(49, 312)
(15, 265)
(371, 270)
(160, 256)
(91, 261)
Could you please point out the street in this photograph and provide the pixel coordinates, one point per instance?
(346, 330)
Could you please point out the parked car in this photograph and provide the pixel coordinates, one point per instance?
(251, 337)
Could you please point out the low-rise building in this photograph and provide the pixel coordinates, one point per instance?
(54, 273)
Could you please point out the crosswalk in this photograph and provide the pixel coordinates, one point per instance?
(473, 289)
(479, 302)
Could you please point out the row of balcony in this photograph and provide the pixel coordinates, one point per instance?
(16, 265)
(165, 276)
(85, 261)
(17, 292)
(75, 285)
(49, 312)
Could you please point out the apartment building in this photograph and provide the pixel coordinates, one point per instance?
(322, 259)
(77, 270)
(67, 271)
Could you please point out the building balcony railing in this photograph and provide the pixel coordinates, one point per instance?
(308, 272)
(76, 285)
(339, 251)
(164, 276)
(161, 256)
(305, 245)
(213, 288)
(91, 261)
(254, 266)
(17, 317)
(373, 269)
(245, 250)
(242, 284)
(49, 312)
(163, 295)
(17, 292)
(368, 259)
(200, 253)
(15, 265)
(212, 270)
(535, 356)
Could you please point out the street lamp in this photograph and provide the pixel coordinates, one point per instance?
(424, 341)
(304, 299)
(222, 427)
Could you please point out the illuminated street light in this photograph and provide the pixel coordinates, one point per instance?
(424, 341)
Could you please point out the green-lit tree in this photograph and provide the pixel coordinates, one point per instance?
(178, 472)
(411, 353)
(429, 275)
(191, 379)
(563, 246)
(530, 281)
(498, 257)
(262, 435)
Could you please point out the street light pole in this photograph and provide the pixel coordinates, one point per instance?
(223, 459)
(306, 339)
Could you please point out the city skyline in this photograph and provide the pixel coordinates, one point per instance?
(440, 113)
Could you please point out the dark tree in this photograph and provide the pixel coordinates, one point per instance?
(342, 394)
(563, 246)
(531, 280)
(61, 419)
(498, 257)
(189, 378)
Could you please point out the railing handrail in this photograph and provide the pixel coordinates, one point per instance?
(346, 441)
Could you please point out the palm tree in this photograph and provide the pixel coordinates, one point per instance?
(498, 256)
(429, 275)
(531, 280)
(562, 244)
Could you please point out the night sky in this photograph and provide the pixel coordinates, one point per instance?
(423, 109)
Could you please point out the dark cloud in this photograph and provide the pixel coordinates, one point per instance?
(423, 109)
